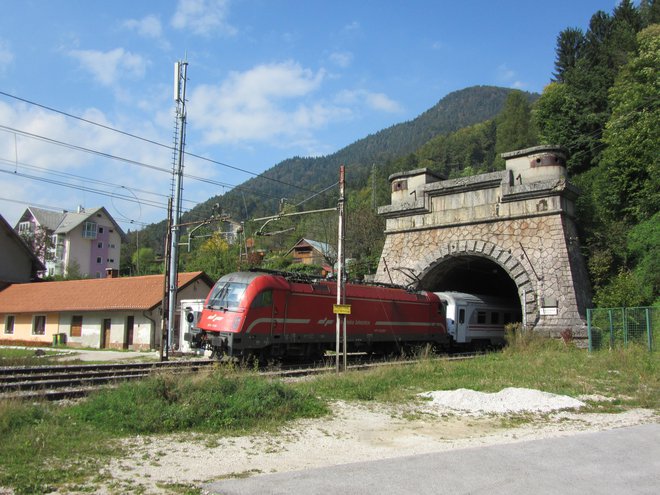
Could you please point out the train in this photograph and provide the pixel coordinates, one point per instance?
(264, 314)
(477, 320)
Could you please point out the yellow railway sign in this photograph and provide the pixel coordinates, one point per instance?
(341, 309)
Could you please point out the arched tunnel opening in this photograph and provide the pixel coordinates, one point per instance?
(474, 275)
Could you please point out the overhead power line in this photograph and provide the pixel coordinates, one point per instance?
(131, 162)
(150, 141)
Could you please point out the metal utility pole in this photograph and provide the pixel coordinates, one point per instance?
(164, 355)
(180, 77)
(341, 296)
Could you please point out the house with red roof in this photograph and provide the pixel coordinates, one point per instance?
(113, 313)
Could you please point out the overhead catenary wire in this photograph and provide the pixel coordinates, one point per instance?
(135, 162)
(151, 141)
(83, 178)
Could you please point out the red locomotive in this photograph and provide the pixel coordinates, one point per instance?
(271, 314)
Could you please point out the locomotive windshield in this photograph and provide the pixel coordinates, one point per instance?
(226, 295)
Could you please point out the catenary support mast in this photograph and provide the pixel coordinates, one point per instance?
(180, 77)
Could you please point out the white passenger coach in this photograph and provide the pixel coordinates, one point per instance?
(478, 320)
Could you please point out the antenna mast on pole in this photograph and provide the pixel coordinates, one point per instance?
(180, 77)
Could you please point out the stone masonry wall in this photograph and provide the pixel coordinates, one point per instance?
(524, 227)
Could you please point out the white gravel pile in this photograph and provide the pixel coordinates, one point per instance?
(508, 400)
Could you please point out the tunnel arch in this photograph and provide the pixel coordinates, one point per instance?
(478, 267)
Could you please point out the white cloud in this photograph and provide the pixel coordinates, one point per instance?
(267, 103)
(148, 27)
(351, 27)
(382, 102)
(109, 67)
(375, 101)
(6, 55)
(341, 59)
(203, 17)
(507, 76)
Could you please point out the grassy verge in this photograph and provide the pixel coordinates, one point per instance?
(45, 447)
(631, 376)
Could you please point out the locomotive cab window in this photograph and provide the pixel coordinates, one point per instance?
(263, 299)
(461, 315)
(227, 295)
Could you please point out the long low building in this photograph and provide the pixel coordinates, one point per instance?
(113, 313)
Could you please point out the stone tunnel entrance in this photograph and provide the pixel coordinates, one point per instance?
(509, 233)
(471, 274)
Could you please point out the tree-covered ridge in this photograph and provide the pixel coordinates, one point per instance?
(459, 109)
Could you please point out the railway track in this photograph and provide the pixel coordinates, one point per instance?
(60, 382)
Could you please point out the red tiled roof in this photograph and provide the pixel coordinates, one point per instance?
(133, 293)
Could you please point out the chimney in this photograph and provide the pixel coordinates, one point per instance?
(111, 273)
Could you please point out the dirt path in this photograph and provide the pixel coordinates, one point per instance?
(355, 432)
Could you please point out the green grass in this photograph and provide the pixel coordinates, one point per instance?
(10, 356)
(44, 447)
(632, 376)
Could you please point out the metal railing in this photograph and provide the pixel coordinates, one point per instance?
(609, 328)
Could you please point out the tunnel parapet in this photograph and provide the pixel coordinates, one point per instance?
(520, 220)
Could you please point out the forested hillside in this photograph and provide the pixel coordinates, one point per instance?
(601, 105)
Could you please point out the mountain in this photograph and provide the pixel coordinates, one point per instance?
(260, 195)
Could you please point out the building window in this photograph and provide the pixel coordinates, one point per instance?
(9, 324)
(76, 326)
(98, 274)
(99, 260)
(100, 245)
(112, 246)
(100, 230)
(25, 227)
(39, 325)
(89, 230)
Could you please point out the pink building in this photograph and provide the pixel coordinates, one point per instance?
(88, 240)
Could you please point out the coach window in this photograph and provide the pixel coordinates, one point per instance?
(263, 299)
(481, 317)
(494, 318)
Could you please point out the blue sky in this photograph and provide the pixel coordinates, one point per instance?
(267, 80)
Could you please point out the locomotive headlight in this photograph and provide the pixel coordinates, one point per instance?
(235, 323)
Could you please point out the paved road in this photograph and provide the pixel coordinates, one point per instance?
(621, 461)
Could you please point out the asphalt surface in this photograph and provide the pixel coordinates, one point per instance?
(621, 461)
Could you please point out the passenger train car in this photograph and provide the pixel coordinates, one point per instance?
(272, 314)
(474, 320)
